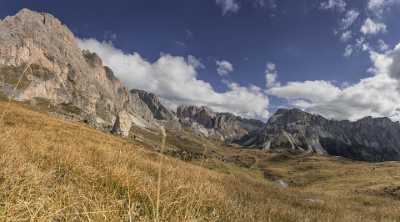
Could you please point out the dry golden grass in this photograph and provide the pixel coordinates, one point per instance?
(53, 170)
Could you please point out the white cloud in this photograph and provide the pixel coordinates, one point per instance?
(260, 3)
(228, 6)
(233, 6)
(195, 62)
(381, 63)
(382, 46)
(339, 5)
(348, 51)
(271, 75)
(374, 5)
(362, 44)
(180, 43)
(389, 62)
(346, 36)
(376, 96)
(175, 79)
(371, 27)
(224, 67)
(378, 7)
(373, 24)
(271, 4)
(348, 20)
(312, 91)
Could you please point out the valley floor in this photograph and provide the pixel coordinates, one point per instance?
(55, 170)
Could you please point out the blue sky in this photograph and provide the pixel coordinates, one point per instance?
(235, 44)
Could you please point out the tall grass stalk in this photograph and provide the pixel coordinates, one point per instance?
(164, 136)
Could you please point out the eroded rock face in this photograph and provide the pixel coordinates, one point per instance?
(152, 110)
(58, 71)
(71, 76)
(371, 139)
(123, 124)
(222, 126)
(158, 110)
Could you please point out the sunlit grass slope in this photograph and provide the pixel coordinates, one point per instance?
(54, 170)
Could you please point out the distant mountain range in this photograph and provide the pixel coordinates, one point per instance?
(41, 56)
(370, 139)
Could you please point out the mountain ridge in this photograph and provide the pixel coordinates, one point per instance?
(41, 56)
(64, 75)
(370, 139)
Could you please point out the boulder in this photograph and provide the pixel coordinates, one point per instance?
(123, 124)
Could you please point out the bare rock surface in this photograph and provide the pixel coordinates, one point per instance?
(222, 126)
(123, 124)
(370, 139)
(58, 71)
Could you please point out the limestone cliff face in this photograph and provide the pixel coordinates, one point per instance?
(58, 71)
(158, 110)
(68, 75)
(149, 106)
(371, 139)
(222, 126)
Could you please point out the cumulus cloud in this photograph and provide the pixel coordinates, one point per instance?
(377, 95)
(224, 67)
(175, 79)
(271, 75)
(311, 91)
(371, 27)
(228, 6)
(389, 62)
(339, 5)
(374, 96)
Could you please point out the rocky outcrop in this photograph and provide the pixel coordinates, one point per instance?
(123, 124)
(38, 49)
(370, 139)
(154, 111)
(221, 126)
(158, 110)
(56, 68)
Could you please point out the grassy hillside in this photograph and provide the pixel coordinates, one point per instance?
(54, 170)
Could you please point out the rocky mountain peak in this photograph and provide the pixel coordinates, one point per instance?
(222, 126)
(159, 111)
(61, 74)
(36, 27)
(293, 115)
(199, 114)
(371, 139)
